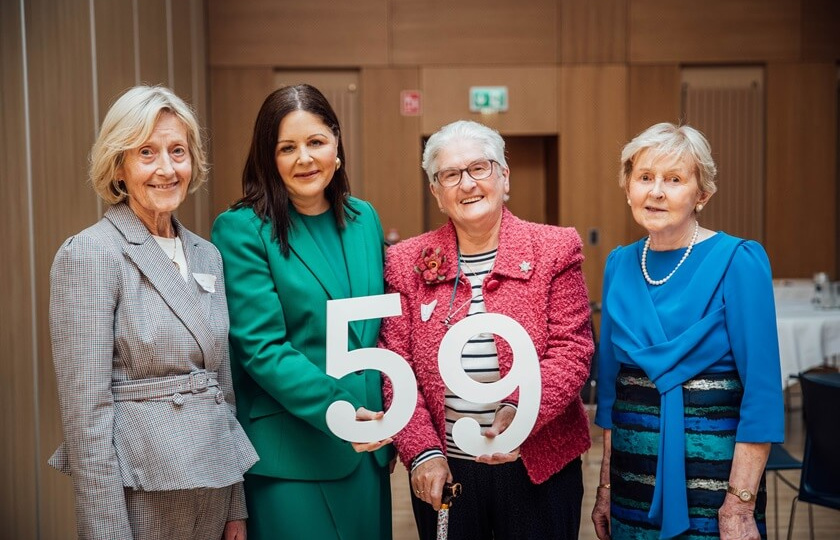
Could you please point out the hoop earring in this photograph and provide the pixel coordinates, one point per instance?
(118, 185)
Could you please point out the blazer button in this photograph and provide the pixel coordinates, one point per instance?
(177, 399)
(220, 397)
(492, 285)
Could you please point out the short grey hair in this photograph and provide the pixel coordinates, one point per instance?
(666, 138)
(128, 123)
(492, 143)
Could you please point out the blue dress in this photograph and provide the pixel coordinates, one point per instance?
(714, 316)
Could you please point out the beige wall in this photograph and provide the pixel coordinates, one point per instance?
(583, 75)
(63, 63)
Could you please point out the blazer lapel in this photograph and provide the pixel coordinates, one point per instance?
(198, 262)
(144, 252)
(514, 258)
(356, 249)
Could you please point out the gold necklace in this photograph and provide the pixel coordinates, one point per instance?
(175, 253)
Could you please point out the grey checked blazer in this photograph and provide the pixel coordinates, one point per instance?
(120, 311)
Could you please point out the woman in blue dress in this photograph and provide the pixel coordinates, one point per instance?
(689, 382)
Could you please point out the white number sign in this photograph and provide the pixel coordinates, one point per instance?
(341, 416)
(525, 368)
(524, 373)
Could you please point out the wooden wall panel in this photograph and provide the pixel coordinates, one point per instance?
(391, 150)
(593, 31)
(713, 31)
(234, 102)
(58, 34)
(801, 169)
(593, 127)
(532, 98)
(186, 76)
(153, 41)
(77, 57)
(316, 33)
(19, 464)
(181, 75)
(654, 96)
(820, 30)
(115, 59)
(473, 32)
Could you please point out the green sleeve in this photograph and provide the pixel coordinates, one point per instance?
(261, 341)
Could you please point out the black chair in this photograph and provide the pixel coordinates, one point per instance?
(778, 461)
(820, 480)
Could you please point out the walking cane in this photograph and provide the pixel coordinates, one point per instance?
(450, 491)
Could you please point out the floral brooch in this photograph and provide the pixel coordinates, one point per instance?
(432, 265)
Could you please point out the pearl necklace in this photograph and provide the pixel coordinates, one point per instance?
(684, 257)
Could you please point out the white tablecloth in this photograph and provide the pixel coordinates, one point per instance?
(807, 334)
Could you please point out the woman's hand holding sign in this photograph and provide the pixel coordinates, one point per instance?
(370, 430)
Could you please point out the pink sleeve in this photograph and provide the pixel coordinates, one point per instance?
(396, 335)
(565, 364)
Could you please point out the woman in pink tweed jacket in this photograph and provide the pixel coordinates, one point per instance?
(487, 260)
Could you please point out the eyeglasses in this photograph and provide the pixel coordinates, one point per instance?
(478, 170)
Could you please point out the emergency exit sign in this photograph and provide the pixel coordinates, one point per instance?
(488, 99)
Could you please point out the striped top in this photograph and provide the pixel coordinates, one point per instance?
(478, 358)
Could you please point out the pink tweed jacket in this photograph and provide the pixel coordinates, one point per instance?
(536, 280)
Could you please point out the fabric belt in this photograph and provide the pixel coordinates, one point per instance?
(195, 382)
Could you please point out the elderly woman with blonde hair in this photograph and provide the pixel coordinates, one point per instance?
(139, 327)
(689, 379)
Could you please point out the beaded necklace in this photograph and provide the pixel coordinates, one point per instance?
(682, 260)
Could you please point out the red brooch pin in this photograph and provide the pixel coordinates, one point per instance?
(432, 265)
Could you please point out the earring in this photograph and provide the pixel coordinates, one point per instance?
(337, 163)
(118, 184)
(628, 202)
(698, 208)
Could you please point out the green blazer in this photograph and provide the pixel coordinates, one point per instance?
(278, 338)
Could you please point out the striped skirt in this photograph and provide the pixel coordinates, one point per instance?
(712, 405)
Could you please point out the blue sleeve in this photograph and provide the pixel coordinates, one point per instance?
(608, 366)
(751, 323)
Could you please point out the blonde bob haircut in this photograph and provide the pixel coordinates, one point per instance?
(130, 122)
(669, 139)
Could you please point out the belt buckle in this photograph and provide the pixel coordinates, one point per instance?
(198, 381)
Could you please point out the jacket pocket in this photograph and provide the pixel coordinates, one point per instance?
(264, 405)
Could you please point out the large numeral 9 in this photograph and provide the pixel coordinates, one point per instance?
(341, 416)
(525, 369)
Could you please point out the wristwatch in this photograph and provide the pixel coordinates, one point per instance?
(744, 494)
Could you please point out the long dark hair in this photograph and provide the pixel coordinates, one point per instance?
(262, 186)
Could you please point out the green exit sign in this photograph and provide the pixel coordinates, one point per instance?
(488, 99)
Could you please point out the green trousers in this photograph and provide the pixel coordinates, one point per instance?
(357, 507)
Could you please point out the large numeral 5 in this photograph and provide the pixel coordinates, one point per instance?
(341, 416)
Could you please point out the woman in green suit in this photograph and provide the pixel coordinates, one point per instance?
(295, 240)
